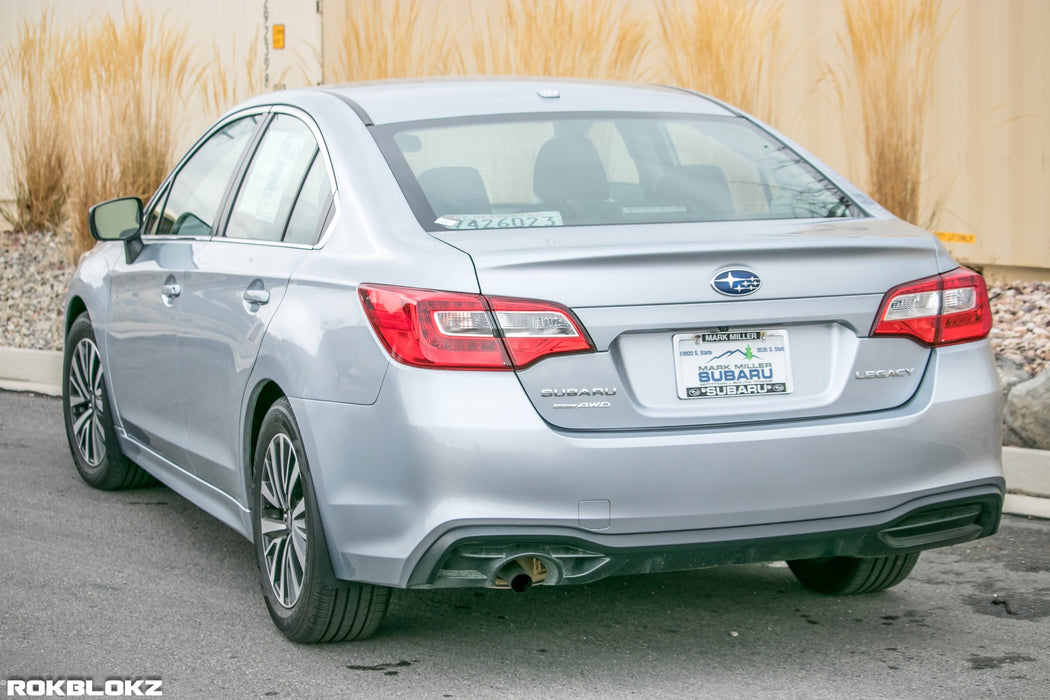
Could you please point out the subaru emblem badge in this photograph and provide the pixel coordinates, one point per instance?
(736, 282)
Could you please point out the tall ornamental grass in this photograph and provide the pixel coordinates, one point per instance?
(227, 86)
(34, 126)
(727, 49)
(133, 75)
(892, 47)
(579, 38)
(97, 109)
(391, 39)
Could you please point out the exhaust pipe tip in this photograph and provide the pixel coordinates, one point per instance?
(516, 576)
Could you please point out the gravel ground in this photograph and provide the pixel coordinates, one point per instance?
(35, 269)
(34, 272)
(1022, 324)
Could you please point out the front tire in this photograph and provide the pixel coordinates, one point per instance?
(305, 600)
(853, 575)
(89, 418)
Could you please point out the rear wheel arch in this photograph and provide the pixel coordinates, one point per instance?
(305, 599)
(264, 395)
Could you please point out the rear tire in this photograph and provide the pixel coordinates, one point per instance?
(305, 600)
(853, 575)
(89, 418)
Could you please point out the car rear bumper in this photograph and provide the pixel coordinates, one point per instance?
(476, 556)
(446, 462)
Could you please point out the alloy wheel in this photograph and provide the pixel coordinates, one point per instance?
(282, 519)
(86, 404)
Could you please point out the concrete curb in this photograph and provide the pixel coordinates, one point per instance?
(1027, 481)
(1027, 471)
(38, 371)
(1017, 504)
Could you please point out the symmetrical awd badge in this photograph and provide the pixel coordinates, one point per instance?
(736, 282)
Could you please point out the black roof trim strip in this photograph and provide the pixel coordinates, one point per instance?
(358, 109)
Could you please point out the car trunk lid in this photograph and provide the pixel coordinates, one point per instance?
(794, 348)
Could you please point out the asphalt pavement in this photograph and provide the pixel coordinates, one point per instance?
(142, 584)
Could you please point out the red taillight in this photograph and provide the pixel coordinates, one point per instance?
(451, 330)
(940, 310)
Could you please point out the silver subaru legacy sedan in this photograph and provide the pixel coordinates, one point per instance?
(511, 333)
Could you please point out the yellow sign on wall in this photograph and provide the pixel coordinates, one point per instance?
(949, 237)
(278, 36)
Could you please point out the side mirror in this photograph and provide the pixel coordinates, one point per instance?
(118, 220)
(115, 220)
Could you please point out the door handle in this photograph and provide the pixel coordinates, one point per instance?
(256, 296)
(171, 290)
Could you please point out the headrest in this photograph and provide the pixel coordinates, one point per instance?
(569, 169)
(455, 190)
(702, 187)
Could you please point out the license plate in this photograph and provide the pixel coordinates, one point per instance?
(714, 364)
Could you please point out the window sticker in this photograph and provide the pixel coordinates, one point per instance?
(656, 209)
(276, 165)
(532, 219)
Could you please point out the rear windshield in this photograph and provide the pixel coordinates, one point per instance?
(588, 169)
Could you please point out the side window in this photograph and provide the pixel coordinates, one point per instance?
(305, 223)
(277, 173)
(190, 206)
